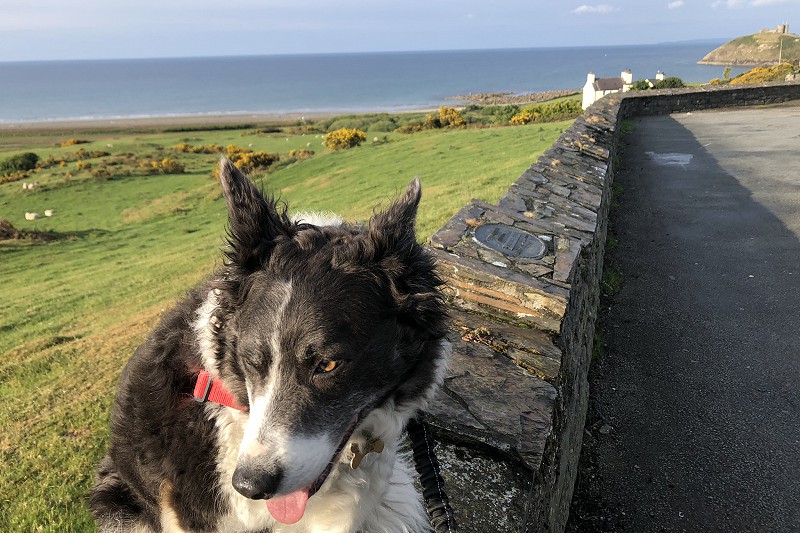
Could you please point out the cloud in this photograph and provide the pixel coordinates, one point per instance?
(601, 9)
(759, 3)
(676, 4)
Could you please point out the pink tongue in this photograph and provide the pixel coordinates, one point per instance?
(290, 508)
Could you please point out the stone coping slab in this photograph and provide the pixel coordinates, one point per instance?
(495, 392)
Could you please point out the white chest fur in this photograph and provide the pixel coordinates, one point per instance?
(378, 496)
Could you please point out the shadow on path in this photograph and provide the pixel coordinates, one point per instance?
(694, 422)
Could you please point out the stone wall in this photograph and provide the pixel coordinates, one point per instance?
(664, 102)
(523, 277)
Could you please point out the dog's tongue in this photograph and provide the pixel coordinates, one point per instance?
(290, 508)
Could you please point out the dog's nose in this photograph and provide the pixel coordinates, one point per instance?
(256, 483)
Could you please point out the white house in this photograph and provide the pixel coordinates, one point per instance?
(659, 77)
(597, 88)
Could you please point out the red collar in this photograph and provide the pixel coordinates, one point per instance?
(208, 389)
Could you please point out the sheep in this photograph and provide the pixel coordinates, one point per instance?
(31, 216)
(48, 212)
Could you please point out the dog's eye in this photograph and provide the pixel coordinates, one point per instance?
(251, 360)
(326, 365)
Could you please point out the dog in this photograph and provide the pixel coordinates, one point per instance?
(312, 345)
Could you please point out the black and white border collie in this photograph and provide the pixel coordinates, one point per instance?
(326, 339)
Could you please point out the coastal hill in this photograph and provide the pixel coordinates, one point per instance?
(764, 47)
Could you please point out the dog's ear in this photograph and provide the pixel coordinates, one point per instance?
(410, 269)
(254, 222)
(395, 227)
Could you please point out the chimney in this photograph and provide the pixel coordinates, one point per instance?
(590, 78)
(627, 76)
(659, 75)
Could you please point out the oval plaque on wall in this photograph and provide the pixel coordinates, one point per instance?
(510, 242)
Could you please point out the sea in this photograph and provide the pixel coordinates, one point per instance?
(35, 91)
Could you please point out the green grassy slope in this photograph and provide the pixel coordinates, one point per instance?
(74, 309)
(757, 49)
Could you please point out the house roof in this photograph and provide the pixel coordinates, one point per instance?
(608, 84)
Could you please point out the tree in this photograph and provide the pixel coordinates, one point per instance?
(669, 83)
(24, 161)
(726, 74)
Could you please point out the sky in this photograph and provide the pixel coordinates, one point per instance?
(112, 29)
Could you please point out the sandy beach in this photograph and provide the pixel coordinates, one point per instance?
(145, 123)
(217, 120)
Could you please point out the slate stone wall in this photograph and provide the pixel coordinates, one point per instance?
(666, 101)
(523, 280)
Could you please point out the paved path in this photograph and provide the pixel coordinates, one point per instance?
(699, 385)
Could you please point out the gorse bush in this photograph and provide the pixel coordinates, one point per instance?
(520, 119)
(204, 149)
(251, 161)
(764, 74)
(247, 160)
(233, 151)
(19, 162)
(344, 138)
(450, 117)
(13, 176)
(562, 110)
(170, 166)
(85, 154)
(72, 142)
(301, 154)
(412, 127)
(62, 160)
(447, 117)
(165, 166)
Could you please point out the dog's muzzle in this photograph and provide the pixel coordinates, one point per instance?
(257, 483)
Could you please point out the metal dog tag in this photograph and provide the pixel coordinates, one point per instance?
(375, 445)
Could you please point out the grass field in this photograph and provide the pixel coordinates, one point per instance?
(72, 310)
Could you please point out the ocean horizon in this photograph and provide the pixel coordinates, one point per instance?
(41, 91)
